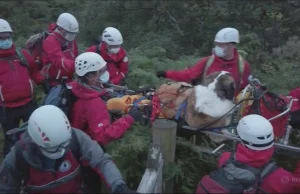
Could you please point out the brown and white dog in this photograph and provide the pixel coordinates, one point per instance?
(206, 102)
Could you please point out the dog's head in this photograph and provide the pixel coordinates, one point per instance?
(222, 83)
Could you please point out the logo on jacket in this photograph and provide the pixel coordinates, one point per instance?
(65, 166)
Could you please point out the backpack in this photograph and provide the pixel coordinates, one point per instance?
(235, 177)
(61, 96)
(35, 45)
(20, 56)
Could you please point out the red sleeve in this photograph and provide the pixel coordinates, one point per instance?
(189, 74)
(223, 158)
(123, 68)
(246, 73)
(100, 128)
(295, 93)
(75, 48)
(52, 48)
(34, 72)
(91, 49)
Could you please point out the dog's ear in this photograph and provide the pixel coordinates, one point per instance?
(225, 88)
(230, 91)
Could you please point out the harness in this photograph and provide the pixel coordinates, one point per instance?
(241, 66)
(19, 56)
(265, 170)
(157, 106)
(23, 166)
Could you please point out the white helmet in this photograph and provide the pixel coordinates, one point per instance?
(68, 22)
(88, 62)
(227, 35)
(50, 129)
(112, 36)
(4, 26)
(256, 132)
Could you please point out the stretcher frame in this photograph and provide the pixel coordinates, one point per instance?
(282, 143)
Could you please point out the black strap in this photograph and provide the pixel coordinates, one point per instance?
(22, 58)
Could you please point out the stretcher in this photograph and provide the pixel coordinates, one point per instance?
(281, 142)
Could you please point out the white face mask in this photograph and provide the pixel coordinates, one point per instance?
(219, 51)
(104, 78)
(54, 156)
(114, 50)
(70, 36)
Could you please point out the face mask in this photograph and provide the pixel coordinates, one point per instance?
(114, 50)
(104, 77)
(54, 156)
(70, 36)
(6, 44)
(219, 51)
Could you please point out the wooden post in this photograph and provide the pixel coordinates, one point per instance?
(164, 134)
(152, 179)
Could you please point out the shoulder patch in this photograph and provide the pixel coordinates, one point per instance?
(125, 59)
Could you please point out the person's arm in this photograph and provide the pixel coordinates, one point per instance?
(93, 155)
(123, 69)
(75, 48)
(34, 72)
(190, 74)
(53, 50)
(10, 177)
(100, 128)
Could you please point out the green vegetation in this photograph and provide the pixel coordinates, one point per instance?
(161, 34)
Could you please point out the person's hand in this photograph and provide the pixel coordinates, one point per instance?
(161, 74)
(135, 114)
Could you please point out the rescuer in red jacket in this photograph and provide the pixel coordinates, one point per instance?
(50, 156)
(225, 58)
(112, 52)
(60, 50)
(295, 110)
(256, 150)
(89, 111)
(18, 71)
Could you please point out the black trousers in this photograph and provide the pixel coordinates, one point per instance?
(10, 118)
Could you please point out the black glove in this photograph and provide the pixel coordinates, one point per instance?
(161, 74)
(46, 86)
(135, 114)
